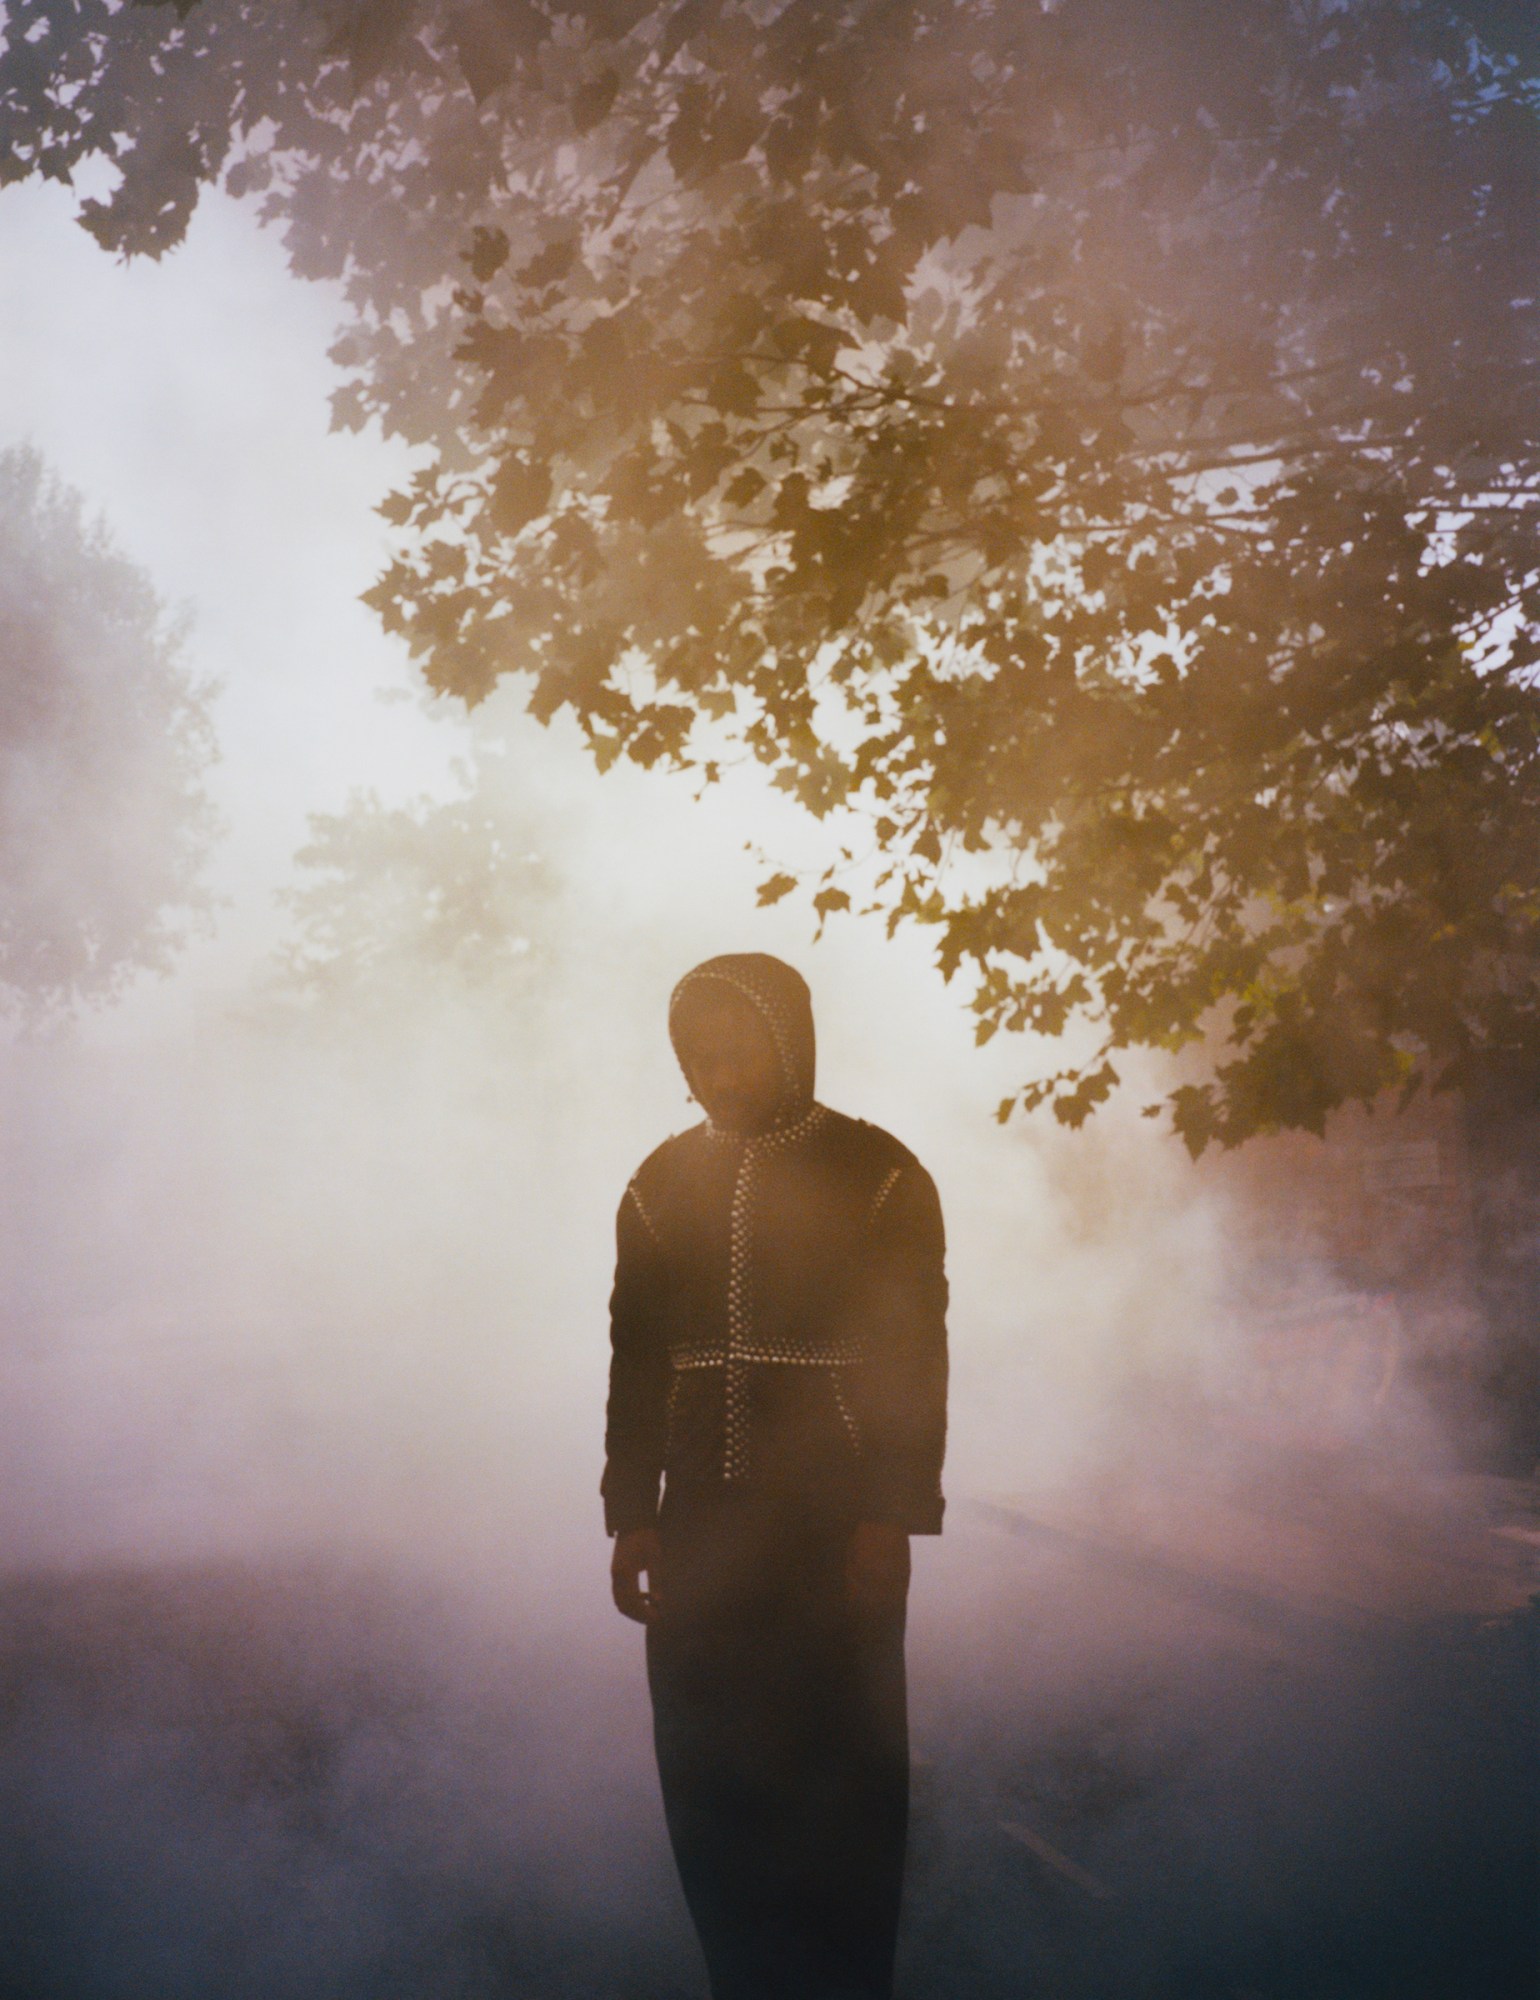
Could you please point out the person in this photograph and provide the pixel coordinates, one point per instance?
(778, 1373)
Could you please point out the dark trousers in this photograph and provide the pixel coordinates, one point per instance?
(780, 1722)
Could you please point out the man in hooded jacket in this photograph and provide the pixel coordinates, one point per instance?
(779, 1371)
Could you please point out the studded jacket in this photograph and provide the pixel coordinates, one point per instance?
(778, 1321)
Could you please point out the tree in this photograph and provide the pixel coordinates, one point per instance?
(1093, 444)
(104, 742)
(433, 900)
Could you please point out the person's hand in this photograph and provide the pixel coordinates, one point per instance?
(877, 1567)
(637, 1554)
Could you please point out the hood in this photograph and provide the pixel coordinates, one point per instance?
(780, 994)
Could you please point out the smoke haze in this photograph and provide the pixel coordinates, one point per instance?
(313, 1685)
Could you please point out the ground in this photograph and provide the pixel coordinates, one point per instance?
(1146, 1765)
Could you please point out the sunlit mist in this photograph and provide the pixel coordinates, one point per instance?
(313, 1680)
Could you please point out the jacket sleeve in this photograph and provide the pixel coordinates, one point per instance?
(637, 1414)
(904, 1374)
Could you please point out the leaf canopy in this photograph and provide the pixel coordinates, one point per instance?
(1095, 443)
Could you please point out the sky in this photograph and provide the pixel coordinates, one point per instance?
(187, 400)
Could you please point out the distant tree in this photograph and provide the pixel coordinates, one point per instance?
(104, 742)
(399, 907)
(1095, 443)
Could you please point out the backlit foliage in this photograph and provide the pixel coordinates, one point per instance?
(1095, 443)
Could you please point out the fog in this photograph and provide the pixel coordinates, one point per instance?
(313, 1681)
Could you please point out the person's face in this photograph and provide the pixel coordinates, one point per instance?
(731, 1063)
